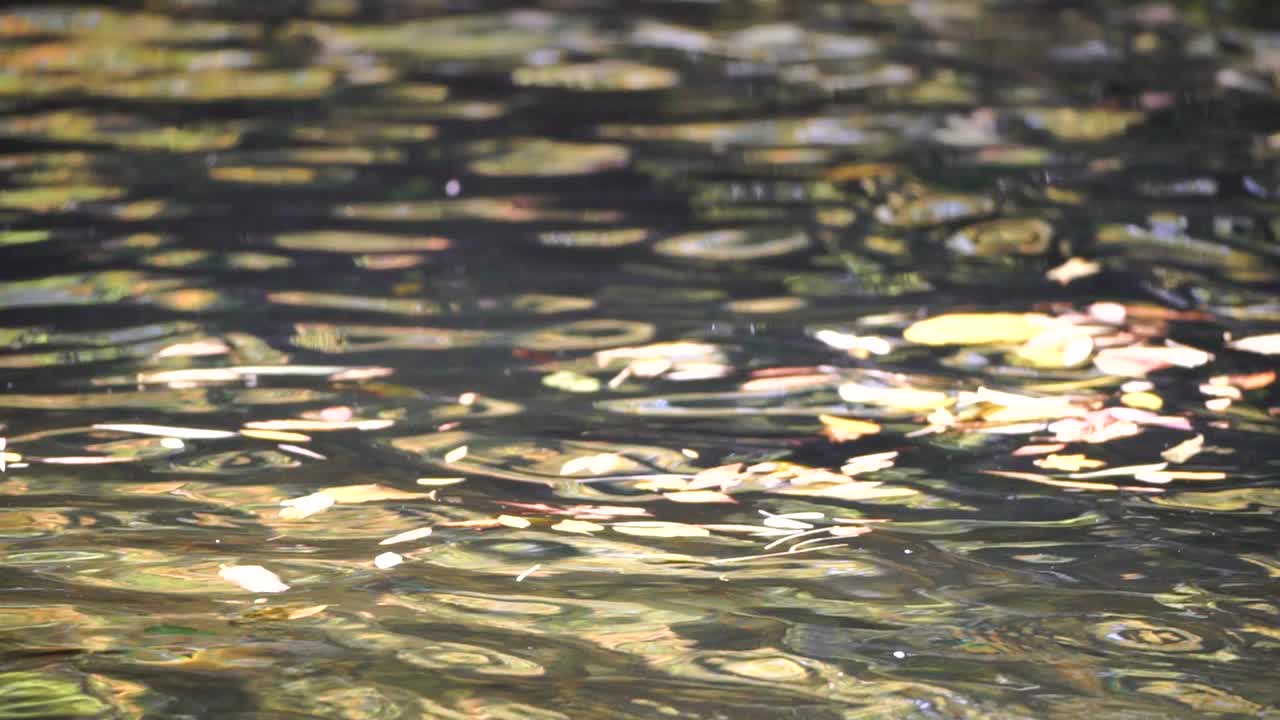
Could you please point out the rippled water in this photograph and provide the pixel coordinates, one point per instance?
(718, 360)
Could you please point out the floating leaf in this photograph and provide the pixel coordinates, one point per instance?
(698, 496)
(167, 431)
(1184, 450)
(440, 481)
(1129, 470)
(320, 425)
(253, 578)
(1261, 344)
(1142, 400)
(976, 328)
(868, 463)
(599, 464)
(307, 505)
(840, 429)
(851, 491)
(387, 560)
(734, 245)
(371, 492)
(1073, 269)
(1039, 449)
(723, 477)
(577, 526)
(898, 398)
(1064, 347)
(1138, 361)
(655, 528)
(407, 536)
(306, 612)
(1046, 480)
(572, 382)
(1162, 477)
(1068, 463)
(781, 522)
(276, 436)
(602, 75)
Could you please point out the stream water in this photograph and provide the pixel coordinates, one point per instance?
(660, 359)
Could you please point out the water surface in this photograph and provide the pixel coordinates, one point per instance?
(736, 360)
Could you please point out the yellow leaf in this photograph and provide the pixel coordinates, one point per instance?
(1142, 400)
(276, 436)
(1045, 480)
(599, 464)
(372, 492)
(840, 429)
(571, 382)
(1184, 450)
(722, 476)
(1064, 347)
(659, 484)
(1162, 477)
(899, 398)
(320, 425)
(306, 612)
(150, 488)
(307, 505)
(976, 328)
(1073, 269)
(1068, 463)
(852, 491)
(513, 521)
(577, 526)
(1129, 470)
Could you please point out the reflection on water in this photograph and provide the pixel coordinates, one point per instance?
(685, 359)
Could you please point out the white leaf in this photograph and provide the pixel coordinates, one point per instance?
(253, 578)
(387, 560)
(407, 535)
(166, 431)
